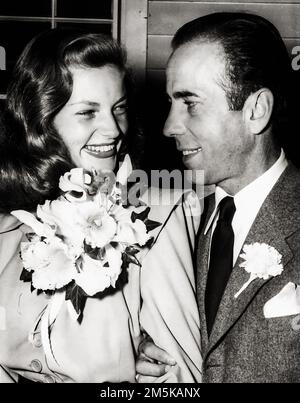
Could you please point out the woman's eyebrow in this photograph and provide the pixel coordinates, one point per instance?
(89, 103)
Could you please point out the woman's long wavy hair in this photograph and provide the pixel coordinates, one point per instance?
(32, 154)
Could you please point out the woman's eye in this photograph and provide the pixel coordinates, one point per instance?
(120, 109)
(90, 113)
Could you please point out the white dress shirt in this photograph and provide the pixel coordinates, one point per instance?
(248, 202)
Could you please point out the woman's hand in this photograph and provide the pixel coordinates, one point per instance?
(152, 361)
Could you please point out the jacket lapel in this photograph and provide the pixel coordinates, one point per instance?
(275, 222)
(202, 257)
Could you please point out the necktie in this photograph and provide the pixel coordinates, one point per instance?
(221, 260)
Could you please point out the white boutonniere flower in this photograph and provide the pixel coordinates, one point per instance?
(261, 261)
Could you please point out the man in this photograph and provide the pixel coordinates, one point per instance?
(227, 79)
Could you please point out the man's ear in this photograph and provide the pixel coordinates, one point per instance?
(258, 109)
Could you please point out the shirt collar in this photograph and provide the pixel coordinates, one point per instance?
(255, 192)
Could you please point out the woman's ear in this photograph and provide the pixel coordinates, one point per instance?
(258, 109)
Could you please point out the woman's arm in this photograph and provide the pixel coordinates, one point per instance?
(169, 313)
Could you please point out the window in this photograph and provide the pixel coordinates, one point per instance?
(20, 21)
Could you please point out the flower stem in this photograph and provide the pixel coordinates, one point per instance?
(252, 277)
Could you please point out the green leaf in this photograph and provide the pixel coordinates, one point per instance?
(151, 225)
(128, 256)
(77, 297)
(140, 216)
(149, 243)
(26, 275)
(30, 236)
(94, 253)
(132, 250)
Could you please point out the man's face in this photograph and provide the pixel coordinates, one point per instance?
(210, 136)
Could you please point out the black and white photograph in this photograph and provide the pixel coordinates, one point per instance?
(149, 194)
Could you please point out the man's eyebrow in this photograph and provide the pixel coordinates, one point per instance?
(185, 94)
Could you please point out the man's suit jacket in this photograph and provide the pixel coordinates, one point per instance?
(244, 346)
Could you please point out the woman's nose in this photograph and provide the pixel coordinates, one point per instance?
(107, 125)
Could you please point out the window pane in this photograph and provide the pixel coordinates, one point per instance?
(32, 8)
(102, 28)
(84, 9)
(14, 44)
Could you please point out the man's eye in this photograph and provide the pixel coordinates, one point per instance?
(191, 106)
(120, 109)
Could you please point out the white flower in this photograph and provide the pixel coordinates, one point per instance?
(97, 275)
(113, 258)
(75, 181)
(261, 261)
(40, 228)
(100, 228)
(64, 216)
(92, 278)
(52, 263)
(77, 222)
(128, 231)
(82, 236)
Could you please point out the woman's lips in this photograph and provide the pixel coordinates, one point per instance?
(101, 150)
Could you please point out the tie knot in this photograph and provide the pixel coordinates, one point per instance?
(226, 209)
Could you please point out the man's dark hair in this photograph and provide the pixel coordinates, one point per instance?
(256, 57)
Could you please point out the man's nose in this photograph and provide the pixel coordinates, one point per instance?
(174, 125)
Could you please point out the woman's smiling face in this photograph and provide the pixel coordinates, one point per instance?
(93, 122)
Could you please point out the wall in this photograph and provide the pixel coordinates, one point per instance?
(165, 17)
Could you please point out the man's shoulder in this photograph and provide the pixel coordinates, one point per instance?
(286, 192)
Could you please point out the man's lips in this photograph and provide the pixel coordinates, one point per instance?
(189, 151)
(101, 150)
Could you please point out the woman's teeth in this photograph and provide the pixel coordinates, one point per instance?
(189, 152)
(100, 149)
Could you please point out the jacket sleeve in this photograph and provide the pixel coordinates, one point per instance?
(169, 312)
(7, 376)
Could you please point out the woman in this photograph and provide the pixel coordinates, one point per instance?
(68, 106)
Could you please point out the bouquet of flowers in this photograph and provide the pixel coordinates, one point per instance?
(82, 241)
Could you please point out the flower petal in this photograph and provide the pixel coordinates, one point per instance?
(50, 262)
(114, 259)
(41, 229)
(93, 277)
(124, 171)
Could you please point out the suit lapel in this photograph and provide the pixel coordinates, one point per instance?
(202, 257)
(274, 223)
